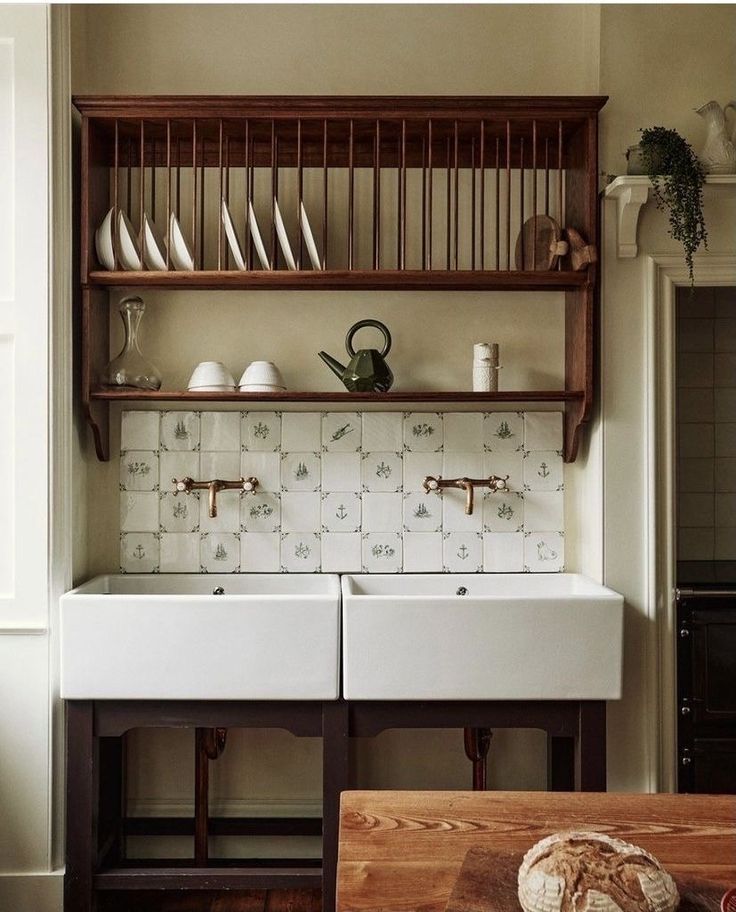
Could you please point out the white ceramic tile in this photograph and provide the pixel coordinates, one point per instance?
(697, 509)
(725, 510)
(382, 472)
(266, 467)
(225, 466)
(179, 512)
(228, 512)
(462, 552)
(696, 475)
(179, 552)
(542, 471)
(695, 335)
(179, 431)
(503, 464)
(301, 432)
(422, 513)
(725, 474)
(300, 552)
(138, 511)
(261, 512)
(220, 431)
(417, 466)
(261, 431)
(725, 404)
(341, 552)
(260, 552)
(504, 512)
(503, 552)
(300, 511)
(382, 512)
(422, 552)
(725, 544)
(454, 517)
(341, 512)
(382, 552)
(139, 552)
(423, 432)
(503, 432)
(695, 405)
(696, 440)
(695, 544)
(544, 552)
(341, 432)
(542, 431)
(138, 470)
(725, 369)
(177, 465)
(300, 472)
(462, 465)
(383, 432)
(139, 430)
(694, 369)
(463, 432)
(544, 511)
(219, 552)
(724, 335)
(341, 472)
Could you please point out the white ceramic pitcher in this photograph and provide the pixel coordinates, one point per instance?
(719, 153)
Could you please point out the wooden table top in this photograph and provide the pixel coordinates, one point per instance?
(403, 850)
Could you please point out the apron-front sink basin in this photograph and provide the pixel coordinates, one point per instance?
(169, 637)
(480, 637)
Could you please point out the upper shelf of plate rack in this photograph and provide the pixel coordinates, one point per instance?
(339, 191)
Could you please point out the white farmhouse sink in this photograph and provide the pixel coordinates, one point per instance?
(167, 637)
(511, 637)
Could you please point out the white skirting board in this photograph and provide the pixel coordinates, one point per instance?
(36, 892)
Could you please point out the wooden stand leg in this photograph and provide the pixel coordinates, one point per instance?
(111, 811)
(82, 790)
(477, 745)
(591, 747)
(335, 780)
(560, 764)
(209, 743)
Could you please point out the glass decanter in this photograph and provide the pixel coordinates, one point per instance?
(130, 368)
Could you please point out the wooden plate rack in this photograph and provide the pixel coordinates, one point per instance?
(401, 193)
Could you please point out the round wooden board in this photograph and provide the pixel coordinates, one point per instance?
(541, 236)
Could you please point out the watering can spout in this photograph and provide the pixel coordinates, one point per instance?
(337, 369)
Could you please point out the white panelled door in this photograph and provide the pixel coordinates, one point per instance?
(24, 246)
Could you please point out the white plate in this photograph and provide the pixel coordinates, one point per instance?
(104, 243)
(181, 255)
(128, 249)
(232, 237)
(257, 240)
(309, 239)
(154, 254)
(283, 236)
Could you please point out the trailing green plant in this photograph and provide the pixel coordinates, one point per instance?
(677, 178)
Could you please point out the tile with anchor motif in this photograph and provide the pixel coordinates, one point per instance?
(139, 552)
(341, 512)
(462, 552)
(543, 471)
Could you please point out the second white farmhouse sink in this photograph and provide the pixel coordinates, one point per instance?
(480, 637)
(168, 637)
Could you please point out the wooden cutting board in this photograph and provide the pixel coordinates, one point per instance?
(487, 883)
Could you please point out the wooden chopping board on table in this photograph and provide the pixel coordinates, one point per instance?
(487, 883)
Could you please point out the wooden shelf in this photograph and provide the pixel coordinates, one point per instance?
(342, 280)
(210, 878)
(131, 395)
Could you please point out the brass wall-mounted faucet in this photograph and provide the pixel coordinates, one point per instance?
(187, 485)
(494, 482)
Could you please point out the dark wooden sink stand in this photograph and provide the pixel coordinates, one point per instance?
(97, 824)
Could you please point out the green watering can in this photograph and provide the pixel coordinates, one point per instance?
(367, 371)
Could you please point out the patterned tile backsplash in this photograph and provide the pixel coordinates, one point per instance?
(341, 492)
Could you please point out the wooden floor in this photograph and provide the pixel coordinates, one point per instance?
(205, 901)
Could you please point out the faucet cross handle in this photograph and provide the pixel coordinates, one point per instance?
(249, 484)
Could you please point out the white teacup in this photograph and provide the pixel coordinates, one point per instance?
(211, 375)
(262, 374)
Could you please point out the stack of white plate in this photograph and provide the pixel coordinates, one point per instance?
(211, 377)
(262, 377)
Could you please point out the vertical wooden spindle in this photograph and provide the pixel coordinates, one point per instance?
(560, 213)
(521, 201)
(472, 203)
(129, 181)
(534, 188)
(498, 202)
(398, 201)
(300, 192)
(153, 179)
(202, 201)
(325, 189)
(377, 197)
(248, 244)
(351, 193)
(168, 191)
(483, 194)
(508, 194)
(402, 247)
(424, 202)
(430, 195)
(225, 245)
(274, 192)
(194, 190)
(115, 191)
(177, 178)
(546, 175)
(141, 193)
(456, 218)
(449, 201)
(219, 201)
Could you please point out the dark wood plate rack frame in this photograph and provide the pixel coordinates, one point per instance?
(453, 179)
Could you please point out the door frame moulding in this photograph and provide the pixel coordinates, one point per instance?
(663, 275)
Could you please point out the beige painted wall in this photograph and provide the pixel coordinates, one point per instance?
(657, 63)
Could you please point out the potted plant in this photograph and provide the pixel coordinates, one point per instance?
(677, 178)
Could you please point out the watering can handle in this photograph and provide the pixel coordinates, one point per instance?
(377, 325)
